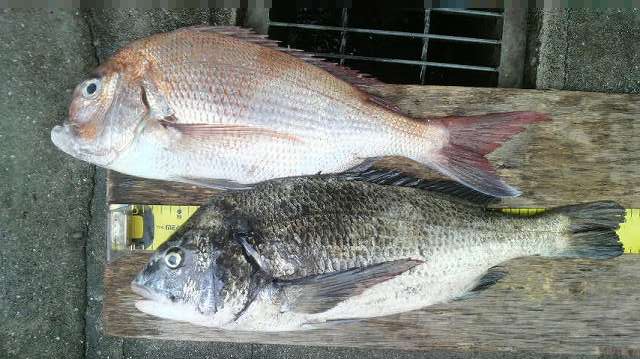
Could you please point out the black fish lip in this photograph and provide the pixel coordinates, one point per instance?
(142, 291)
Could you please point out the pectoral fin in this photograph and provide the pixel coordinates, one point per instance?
(206, 130)
(243, 238)
(319, 293)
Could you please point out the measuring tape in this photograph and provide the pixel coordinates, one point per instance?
(150, 226)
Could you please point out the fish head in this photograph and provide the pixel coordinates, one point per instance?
(200, 278)
(105, 115)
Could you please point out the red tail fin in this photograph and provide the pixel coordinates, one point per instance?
(470, 139)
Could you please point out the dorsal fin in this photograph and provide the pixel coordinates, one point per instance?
(354, 77)
(397, 178)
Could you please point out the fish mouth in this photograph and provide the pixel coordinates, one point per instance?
(143, 291)
(146, 293)
(66, 140)
(62, 138)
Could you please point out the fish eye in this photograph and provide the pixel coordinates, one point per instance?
(173, 257)
(91, 88)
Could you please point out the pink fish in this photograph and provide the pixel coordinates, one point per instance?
(223, 107)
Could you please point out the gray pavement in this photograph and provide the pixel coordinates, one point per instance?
(45, 197)
(590, 50)
(53, 212)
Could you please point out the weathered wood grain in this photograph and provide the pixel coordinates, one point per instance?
(591, 151)
(125, 189)
(542, 306)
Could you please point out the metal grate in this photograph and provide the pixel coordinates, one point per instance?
(419, 46)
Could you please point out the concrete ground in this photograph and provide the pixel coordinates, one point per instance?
(53, 213)
(590, 50)
(45, 196)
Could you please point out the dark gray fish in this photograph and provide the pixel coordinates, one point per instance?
(300, 251)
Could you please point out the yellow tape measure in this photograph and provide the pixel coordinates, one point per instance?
(150, 226)
(629, 231)
(153, 225)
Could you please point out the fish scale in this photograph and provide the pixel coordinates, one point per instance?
(413, 228)
(299, 251)
(245, 71)
(293, 80)
(226, 108)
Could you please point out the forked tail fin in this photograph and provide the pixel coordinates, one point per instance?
(470, 138)
(593, 229)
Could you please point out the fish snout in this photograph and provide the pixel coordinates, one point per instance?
(146, 282)
(139, 288)
(65, 137)
(62, 137)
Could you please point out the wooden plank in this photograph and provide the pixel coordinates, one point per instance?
(589, 152)
(541, 306)
(125, 189)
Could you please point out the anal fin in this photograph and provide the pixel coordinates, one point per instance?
(331, 323)
(473, 170)
(487, 280)
(491, 277)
